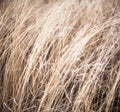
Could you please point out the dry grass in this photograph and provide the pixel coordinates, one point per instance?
(60, 56)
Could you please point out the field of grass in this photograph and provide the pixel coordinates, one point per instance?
(59, 55)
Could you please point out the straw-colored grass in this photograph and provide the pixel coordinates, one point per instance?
(60, 56)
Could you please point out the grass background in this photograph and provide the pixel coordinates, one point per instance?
(60, 56)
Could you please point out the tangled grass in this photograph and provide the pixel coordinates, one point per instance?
(60, 56)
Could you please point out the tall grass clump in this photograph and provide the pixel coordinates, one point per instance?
(60, 56)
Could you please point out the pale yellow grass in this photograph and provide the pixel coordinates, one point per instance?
(60, 56)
